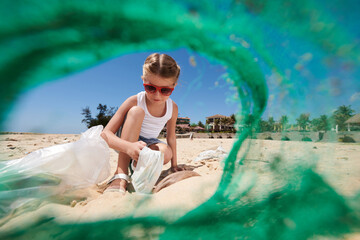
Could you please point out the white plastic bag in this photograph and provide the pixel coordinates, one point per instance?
(217, 154)
(78, 164)
(147, 170)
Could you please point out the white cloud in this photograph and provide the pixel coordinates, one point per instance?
(355, 97)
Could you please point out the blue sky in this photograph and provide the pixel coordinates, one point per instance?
(202, 91)
(55, 107)
(318, 82)
(316, 87)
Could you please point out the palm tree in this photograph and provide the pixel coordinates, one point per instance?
(271, 123)
(283, 122)
(342, 114)
(249, 120)
(303, 121)
(228, 121)
(321, 123)
(263, 125)
(207, 123)
(232, 121)
(222, 123)
(232, 118)
(217, 123)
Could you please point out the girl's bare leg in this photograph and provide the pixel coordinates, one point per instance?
(164, 149)
(130, 132)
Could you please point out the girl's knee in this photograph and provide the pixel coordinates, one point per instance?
(167, 155)
(136, 112)
(166, 150)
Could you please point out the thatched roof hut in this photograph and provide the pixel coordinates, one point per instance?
(354, 119)
(216, 116)
(353, 123)
(197, 129)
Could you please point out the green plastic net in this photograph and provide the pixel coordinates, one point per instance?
(42, 41)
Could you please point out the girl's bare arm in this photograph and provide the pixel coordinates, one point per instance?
(115, 123)
(171, 135)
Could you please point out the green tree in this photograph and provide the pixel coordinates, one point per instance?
(217, 124)
(342, 114)
(283, 122)
(233, 119)
(263, 126)
(271, 124)
(225, 123)
(222, 123)
(200, 124)
(303, 121)
(248, 120)
(102, 118)
(321, 123)
(87, 117)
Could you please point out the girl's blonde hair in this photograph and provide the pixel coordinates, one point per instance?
(162, 65)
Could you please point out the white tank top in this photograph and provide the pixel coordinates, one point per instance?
(152, 126)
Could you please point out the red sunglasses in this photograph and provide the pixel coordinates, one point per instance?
(166, 91)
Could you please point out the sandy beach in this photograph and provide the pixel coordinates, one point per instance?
(338, 163)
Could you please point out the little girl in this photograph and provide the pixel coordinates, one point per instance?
(140, 119)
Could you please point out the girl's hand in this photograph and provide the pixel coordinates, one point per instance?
(176, 169)
(135, 149)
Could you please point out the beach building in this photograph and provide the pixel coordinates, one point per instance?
(218, 123)
(181, 120)
(183, 124)
(353, 122)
